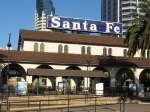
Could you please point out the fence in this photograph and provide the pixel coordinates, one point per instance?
(27, 103)
(86, 93)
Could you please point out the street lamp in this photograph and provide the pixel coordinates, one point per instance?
(7, 72)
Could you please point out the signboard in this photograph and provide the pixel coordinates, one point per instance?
(22, 88)
(61, 85)
(140, 90)
(99, 88)
(84, 25)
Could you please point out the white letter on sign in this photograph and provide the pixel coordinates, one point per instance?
(117, 29)
(108, 26)
(66, 24)
(93, 27)
(76, 26)
(56, 22)
(85, 25)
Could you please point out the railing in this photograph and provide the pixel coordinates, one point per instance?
(26, 104)
(46, 99)
(122, 103)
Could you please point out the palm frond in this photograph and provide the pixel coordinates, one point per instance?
(138, 34)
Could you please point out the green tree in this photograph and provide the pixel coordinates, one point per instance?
(138, 34)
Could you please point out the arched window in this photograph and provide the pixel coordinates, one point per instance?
(66, 49)
(88, 50)
(105, 51)
(110, 52)
(41, 47)
(60, 49)
(36, 47)
(124, 52)
(83, 50)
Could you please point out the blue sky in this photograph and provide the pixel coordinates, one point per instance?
(20, 14)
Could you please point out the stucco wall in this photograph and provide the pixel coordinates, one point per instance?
(74, 48)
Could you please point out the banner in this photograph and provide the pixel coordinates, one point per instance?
(61, 85)
(84, 25)
(99, 88)
(22, 88)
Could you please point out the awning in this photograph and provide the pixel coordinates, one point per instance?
(61, 73)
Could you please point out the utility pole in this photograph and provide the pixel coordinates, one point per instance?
(7, 72)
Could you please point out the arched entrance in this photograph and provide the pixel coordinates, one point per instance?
(124, 77)
(74, 82)
(104, 80)
(43, 81)
(16, 73)
(145, 78)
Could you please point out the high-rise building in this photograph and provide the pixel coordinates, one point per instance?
(118, 10)
(43, 8)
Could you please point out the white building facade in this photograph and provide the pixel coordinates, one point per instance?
(61, 53)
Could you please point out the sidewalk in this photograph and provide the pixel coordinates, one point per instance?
(75, 101)
(88, 108)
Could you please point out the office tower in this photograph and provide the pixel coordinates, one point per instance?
(118, 10)
(43, 8)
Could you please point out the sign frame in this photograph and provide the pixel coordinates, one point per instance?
(99, 88)
(22, 87)
(59, 22)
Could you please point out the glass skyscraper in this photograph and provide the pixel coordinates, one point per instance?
(118, 10)
(43, 8)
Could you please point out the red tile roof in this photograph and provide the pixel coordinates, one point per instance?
(70, 38)
(70, 59)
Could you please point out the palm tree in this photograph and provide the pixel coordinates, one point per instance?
(138, 34)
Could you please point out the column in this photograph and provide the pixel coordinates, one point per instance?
(38, 85)
(113, 72)
(137, 74)
(86, 82)
(112, 81)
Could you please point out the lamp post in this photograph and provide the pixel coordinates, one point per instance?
(7, 72)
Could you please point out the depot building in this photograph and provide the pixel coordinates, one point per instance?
(46, 59)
